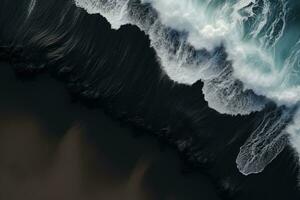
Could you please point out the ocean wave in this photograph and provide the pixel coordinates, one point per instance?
(246, 53)
(180, 61)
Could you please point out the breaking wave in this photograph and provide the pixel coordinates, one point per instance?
(246, 53)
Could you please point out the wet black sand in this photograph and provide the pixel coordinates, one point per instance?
(53, 148)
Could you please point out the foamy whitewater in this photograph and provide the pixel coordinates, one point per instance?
(246, 52)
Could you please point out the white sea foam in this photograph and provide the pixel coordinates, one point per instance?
(265, 143)
(294, 132)
(211, 23)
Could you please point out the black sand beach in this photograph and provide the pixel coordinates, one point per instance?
(87, 113)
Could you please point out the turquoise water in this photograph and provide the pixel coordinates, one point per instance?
(261, 38)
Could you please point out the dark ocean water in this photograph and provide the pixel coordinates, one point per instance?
(118, 72)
